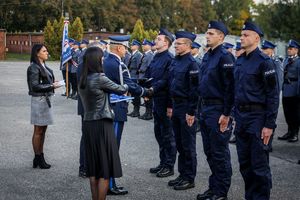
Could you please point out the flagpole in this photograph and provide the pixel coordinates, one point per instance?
(67, 79)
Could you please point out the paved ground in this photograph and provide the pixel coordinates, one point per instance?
(139, 152)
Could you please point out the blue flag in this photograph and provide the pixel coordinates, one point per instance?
(65, 47)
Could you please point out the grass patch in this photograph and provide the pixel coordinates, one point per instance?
(21, 57)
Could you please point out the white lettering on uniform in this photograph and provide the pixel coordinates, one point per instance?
(272, 71)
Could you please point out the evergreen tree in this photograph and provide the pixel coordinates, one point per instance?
(149, 11)
(49, 37)
(76, 30)
(138, 31)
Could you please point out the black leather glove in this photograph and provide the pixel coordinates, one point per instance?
(148, 92)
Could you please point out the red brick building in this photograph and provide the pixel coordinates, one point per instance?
(2, 44)
(23, 42)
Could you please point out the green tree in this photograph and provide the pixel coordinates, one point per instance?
(76, 30)
(152, 34)
(138, 31)
(149, 11)
(49, 38)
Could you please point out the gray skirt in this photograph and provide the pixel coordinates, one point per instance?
(41, 114)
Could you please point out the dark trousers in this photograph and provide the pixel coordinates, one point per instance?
(136, 102)
(118, 128)
(291, 109)
(149, 105)
(73, 81)
(253, 155)
(164, 134)
(216, 149)
(82, 164)
(185, 137)
(64, 77)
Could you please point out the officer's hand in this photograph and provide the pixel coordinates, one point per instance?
(266, 135)
(169, 112)
(223, 121)
(148, 92)
(56, 85)
(146, 98)
(189, 119)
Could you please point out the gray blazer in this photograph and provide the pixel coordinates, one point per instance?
(134, 63)
(145, 62)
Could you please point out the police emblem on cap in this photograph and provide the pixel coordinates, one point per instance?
(209, 25)
(244, 26)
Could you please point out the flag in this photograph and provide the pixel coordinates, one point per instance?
(65, 47)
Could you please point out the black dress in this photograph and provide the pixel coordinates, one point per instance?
(102, 156)
(101, 150)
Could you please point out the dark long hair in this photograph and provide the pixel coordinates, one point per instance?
(92, 63)
(34, 56)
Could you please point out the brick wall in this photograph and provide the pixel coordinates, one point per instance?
(23, 42)
(2, 44)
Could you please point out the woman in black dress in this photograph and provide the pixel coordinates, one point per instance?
(102, 156)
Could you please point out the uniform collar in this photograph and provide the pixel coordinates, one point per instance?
(184, 56)
(118, 57)
(213, 51)
(147, 51)
(162, 53)
(251, 53)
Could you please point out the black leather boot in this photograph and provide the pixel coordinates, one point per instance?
(294, 135)
(147, 115)
(286, 136)
(39, 161)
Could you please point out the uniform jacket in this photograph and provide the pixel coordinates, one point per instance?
(184, 80)
(256, 83)
(39, 80)
(95, 96)
(74, 62)
(216, 79)
(134, 63)
(291, 83)
(145, 62)
(118, 72)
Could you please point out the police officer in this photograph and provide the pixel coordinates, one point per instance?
(103, 46)
(229, 47)
(216, 92)
(118, 72)
(195, 52)
(159, 72)
(73, 69)
(291, 92)
(183, 89)
(256, 107)
(83, 46)
(145, 62)
(269, 49)
(133, 65)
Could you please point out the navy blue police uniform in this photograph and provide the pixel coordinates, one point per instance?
(197, 57)
(291, 94)
(143, 67)
(256, 107)
(183, 90)
(159, 72)
(133, 67)
(118, 72)
(216, 89)
(73, 70)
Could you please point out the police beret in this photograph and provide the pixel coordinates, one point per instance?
(293, 43)
(147, 42)
(185, 34)
(153, 43)
(84, 41)
(71, 40)
(135, 42)
(267, 45)
(120, 39)
(238, 46)
(253, 27)
(196, 45)
(165, 32)
(103, 42)
(76, 43)
(219, 26)
(227, 45)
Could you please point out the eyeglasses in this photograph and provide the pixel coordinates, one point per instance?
(179, 43)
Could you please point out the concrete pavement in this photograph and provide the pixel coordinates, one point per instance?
(139, 152)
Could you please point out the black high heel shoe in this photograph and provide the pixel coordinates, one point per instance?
(39, 161)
